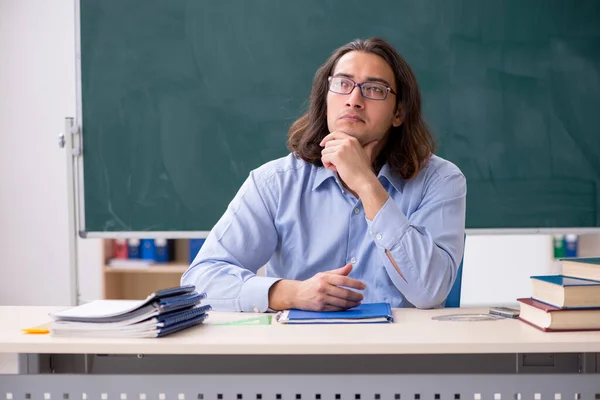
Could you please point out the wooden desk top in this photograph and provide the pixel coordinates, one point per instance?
(413, 332)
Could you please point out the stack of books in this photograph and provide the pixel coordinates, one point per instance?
(566, 302)
(161, 313)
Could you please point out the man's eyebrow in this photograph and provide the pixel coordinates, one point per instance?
(380, 80)
(369, 78)
(344, 75)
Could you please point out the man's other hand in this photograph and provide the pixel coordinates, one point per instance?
(326, 291)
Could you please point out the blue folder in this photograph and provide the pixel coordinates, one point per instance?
(366, 313)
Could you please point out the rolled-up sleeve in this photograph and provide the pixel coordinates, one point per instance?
(428, 246)
(241, 242)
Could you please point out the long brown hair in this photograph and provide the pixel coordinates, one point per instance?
(408, 147)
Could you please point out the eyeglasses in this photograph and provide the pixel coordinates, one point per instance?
(369, 90)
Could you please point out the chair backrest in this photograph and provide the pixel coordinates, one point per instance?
(453, 299)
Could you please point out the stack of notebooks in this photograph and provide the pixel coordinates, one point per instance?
(566, 302)
(161, 313)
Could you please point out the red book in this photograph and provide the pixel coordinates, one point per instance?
(553, 319)
(119, 248)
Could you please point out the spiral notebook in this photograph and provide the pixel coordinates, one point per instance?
(366, 313)
(161, 301)
(157, 326)
(161, 313)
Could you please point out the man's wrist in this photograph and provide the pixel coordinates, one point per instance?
(368, 186)
(373, 196)
(282, 295)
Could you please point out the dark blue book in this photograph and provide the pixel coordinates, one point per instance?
(565, 291)
(363, 314)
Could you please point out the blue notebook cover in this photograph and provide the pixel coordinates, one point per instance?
(181, 325)
(176, 317)
(364, 313)
(561, 280)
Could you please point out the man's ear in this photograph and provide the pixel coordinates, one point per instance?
(398, 118)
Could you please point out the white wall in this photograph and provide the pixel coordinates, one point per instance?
(496, 269)
(37, 91)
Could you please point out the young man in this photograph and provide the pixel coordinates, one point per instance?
(360, 211)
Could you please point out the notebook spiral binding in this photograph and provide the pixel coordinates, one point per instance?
(184, 315)
(182, 302)
(182, 325)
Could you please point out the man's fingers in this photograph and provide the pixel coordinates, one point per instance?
(341, 280)
(327, 163)
(341, 303)
(332, 136)
(328, 159)
(333, 143)
(329, 150)
(344, 294)
(333, 308)
(330, 167)
(345, 270)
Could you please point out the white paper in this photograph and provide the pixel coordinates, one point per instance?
(100, 309)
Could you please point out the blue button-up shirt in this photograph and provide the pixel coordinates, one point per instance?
(297, 220)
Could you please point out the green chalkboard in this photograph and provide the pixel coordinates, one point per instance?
(181, 99)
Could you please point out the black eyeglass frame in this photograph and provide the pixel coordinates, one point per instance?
(360, 86)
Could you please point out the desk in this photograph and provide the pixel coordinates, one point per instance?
(416, 357)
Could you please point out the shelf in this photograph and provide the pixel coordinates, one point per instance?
(170, 268)
(135, 282)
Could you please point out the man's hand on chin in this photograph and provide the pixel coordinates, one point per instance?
(354, 164)
(352, 161)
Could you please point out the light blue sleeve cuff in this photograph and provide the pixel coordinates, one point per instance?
(388, 226)
(254, 296)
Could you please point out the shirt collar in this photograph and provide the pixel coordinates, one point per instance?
(321, 176)
(396, 181)
(392, 177)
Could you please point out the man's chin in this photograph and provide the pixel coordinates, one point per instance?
(356, 133)
(350, 131)
(361, 137)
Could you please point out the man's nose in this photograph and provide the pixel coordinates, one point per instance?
(355, 98)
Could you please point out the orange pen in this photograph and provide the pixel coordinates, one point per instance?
(37, 330)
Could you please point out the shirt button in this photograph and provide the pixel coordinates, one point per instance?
(256, 310)
(378, 237)
(356, 210)
(353, 260)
